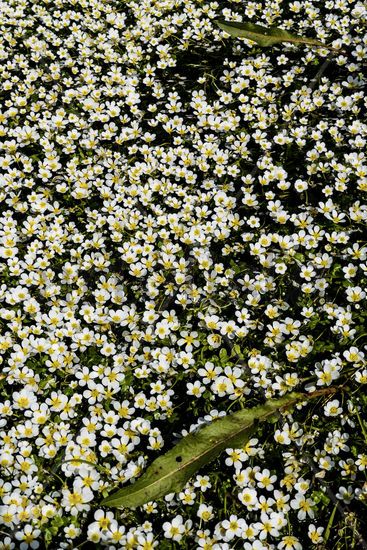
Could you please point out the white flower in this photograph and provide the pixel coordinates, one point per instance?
(248, 497)
(94, 533)
(268, 525)
(303, 505)
(315, 533)
(332, 408)
(174, 529)
(24, 399)
(235, 457)
(71, 531)
(195, 389)
(76, 500)
(255, 545)
(214, 340)
(265, 480)
(222, 386)
(205, 512)
(355, 294)
(234, 527)
(209, 372)
(289, 542)
(345, 494)
(202, 482)
(282, 437)
(28, 537)
(162, 329)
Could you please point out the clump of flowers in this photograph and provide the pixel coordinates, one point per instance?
(181, 235)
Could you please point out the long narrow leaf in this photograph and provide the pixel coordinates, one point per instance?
(330, 524)
(264, 36)
(170, 472)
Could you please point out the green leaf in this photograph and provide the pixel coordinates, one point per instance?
(169, 473)
(237, 351)
(330, 524)
(53, 528)
(319, 497)
(223, 355)
(264, 36)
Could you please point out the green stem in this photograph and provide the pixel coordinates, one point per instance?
(330, 523)
(361, 423)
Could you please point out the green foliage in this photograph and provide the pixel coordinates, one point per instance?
(264, 36)
(170, 472)
(53, 528)
(330, 524)
(223, 356)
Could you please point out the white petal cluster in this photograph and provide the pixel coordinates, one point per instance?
(182, 234)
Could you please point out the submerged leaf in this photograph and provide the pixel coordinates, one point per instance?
(264, 36)
(170, 472)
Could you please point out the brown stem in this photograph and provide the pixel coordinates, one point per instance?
(325, 391)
